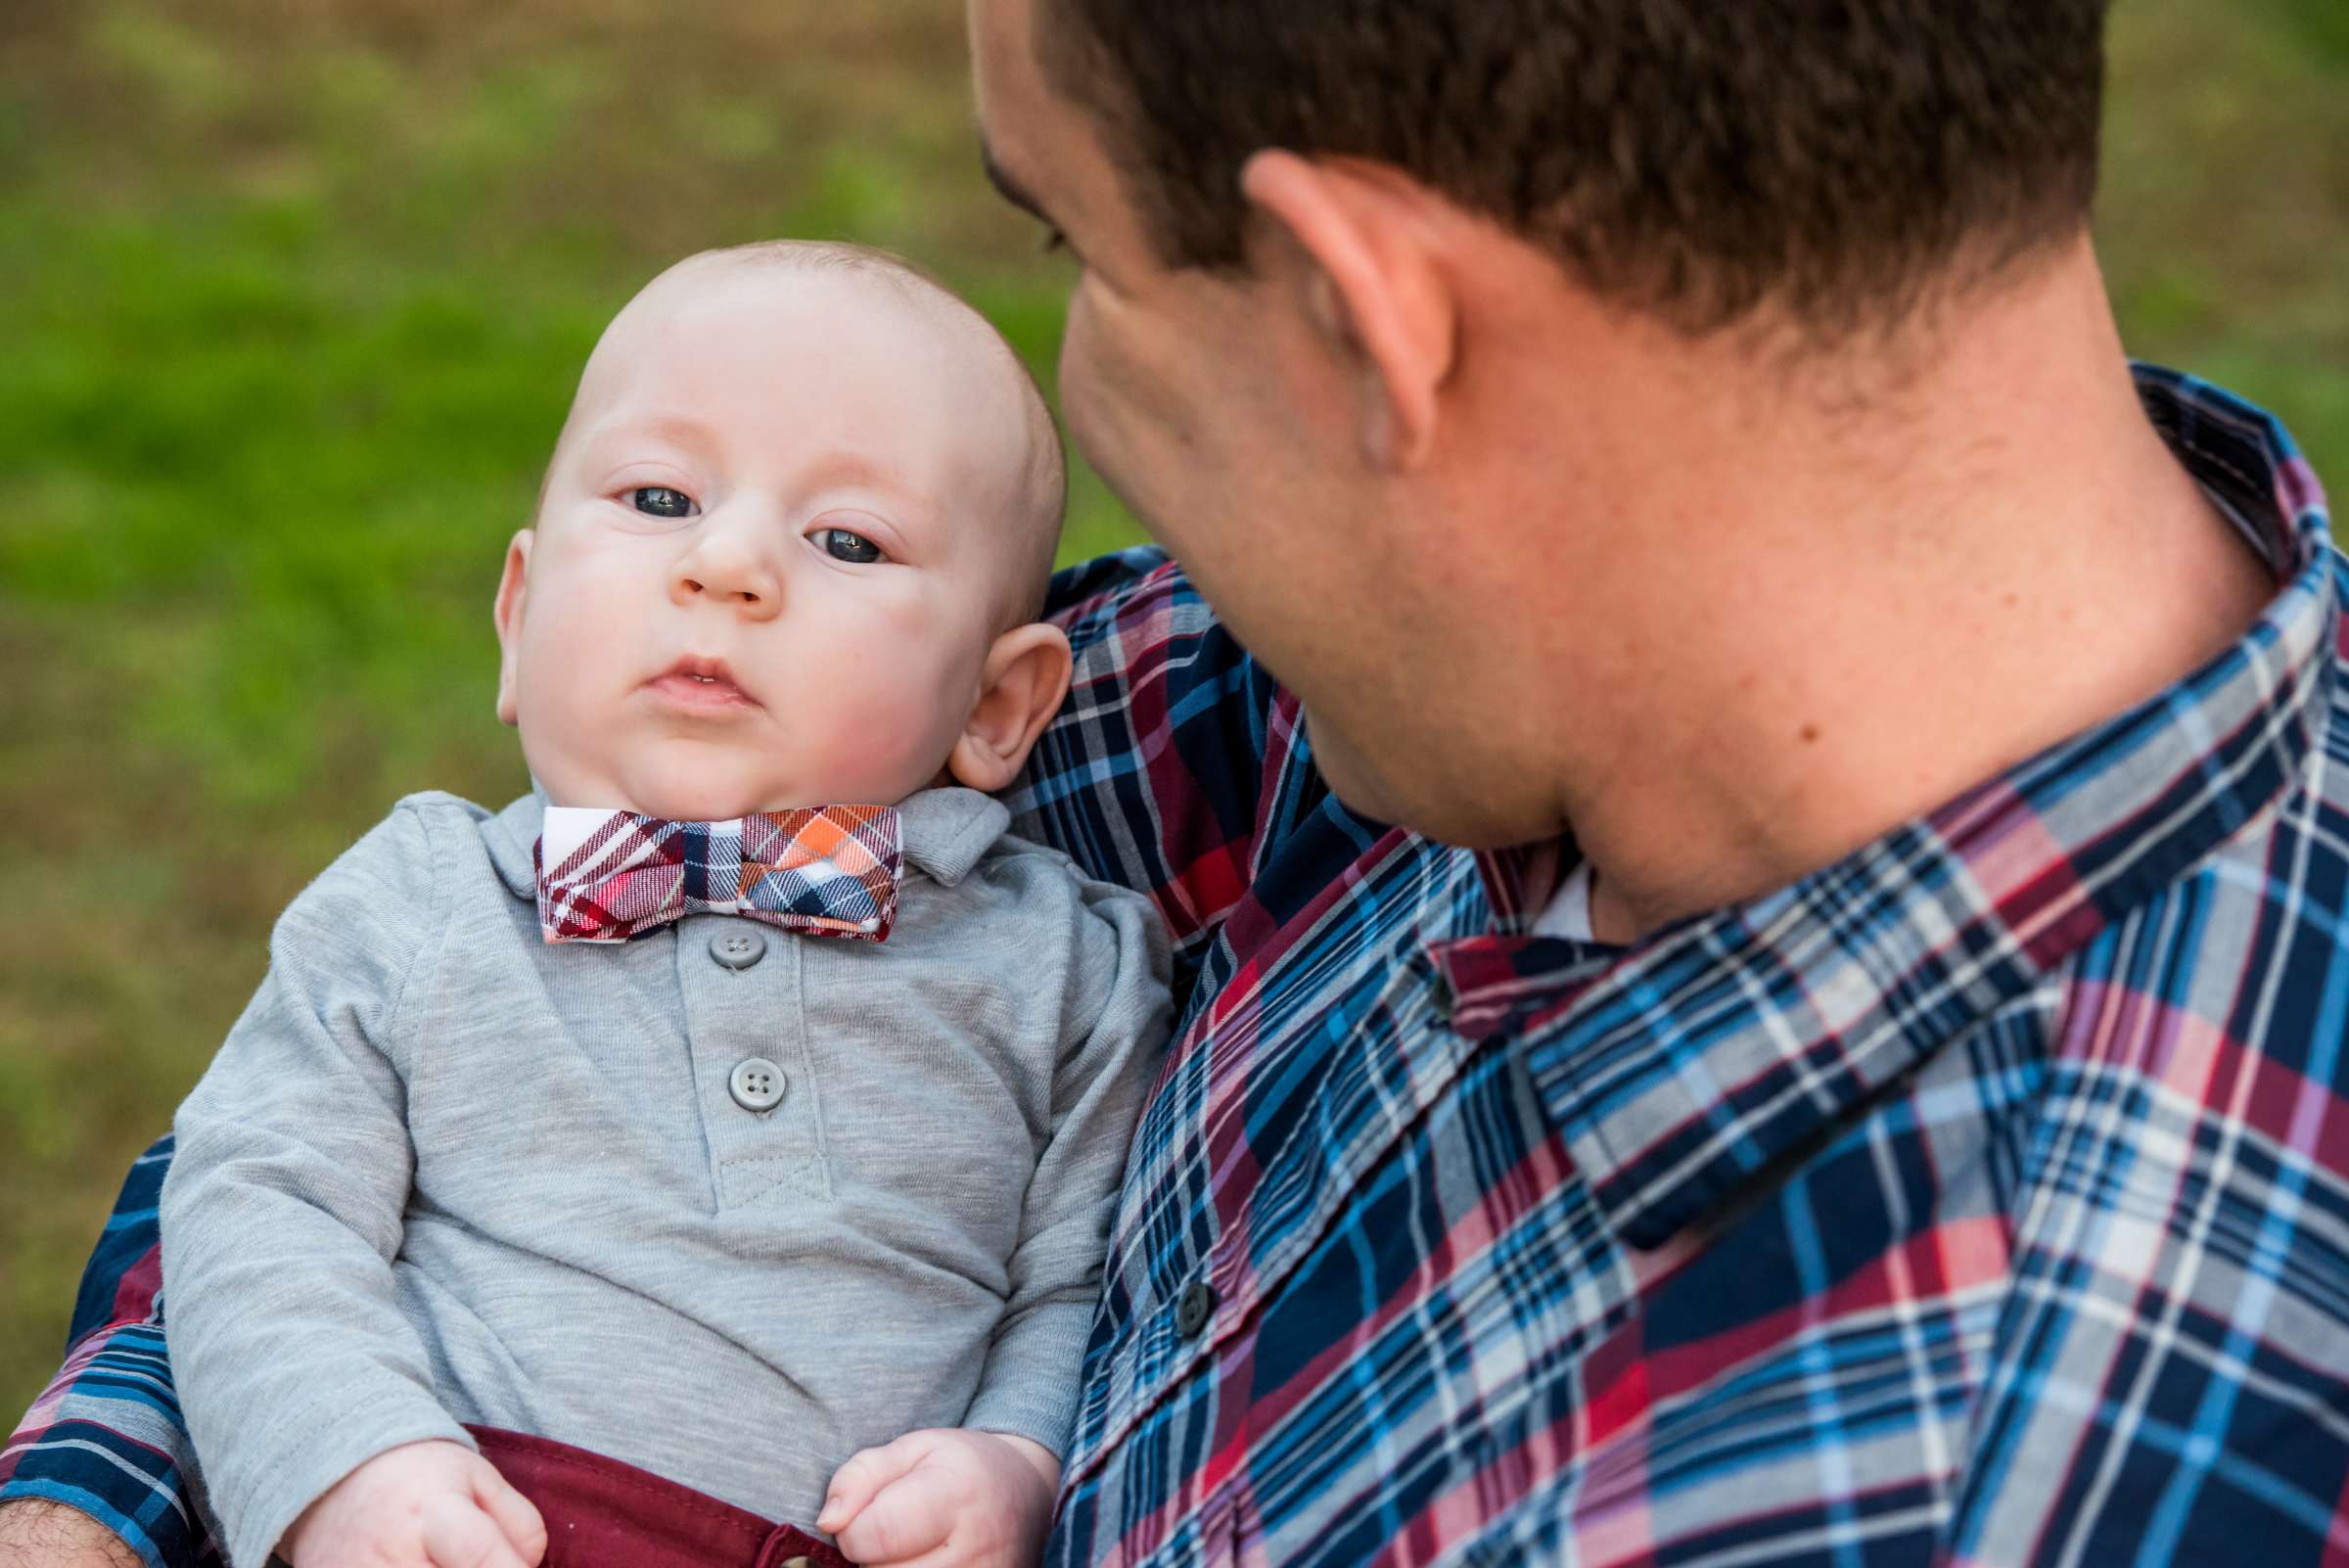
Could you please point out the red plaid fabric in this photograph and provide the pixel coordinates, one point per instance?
(1980, 1202)
(826, 870)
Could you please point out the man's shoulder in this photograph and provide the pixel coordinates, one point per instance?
(2242, 956)
(1121, 608)
(1101, 583)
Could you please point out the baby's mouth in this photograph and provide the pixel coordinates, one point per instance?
(701, 685)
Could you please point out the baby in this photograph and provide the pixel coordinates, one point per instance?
(718, 1144)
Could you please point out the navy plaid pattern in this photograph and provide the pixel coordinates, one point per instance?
(1982, 1199)
(826, 870)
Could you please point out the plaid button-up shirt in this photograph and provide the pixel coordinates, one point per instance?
(1980, 1199)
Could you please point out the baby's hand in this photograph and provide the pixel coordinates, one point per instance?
(953, 1498)
(420, 1505)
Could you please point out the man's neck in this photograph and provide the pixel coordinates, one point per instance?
(1858, 604)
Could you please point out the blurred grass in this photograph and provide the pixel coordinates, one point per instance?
(292, 296)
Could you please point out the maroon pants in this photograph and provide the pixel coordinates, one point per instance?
(601, 1513)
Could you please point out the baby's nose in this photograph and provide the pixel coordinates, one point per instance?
(716, 587)
(730, 573)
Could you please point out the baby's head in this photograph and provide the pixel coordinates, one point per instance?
(790, 547)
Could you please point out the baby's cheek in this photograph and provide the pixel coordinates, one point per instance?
(567, 679)
(891, 731)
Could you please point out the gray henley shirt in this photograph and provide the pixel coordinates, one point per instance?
(445, 1173)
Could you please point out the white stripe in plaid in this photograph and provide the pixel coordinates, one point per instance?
(2028, 1243)
(830, 870)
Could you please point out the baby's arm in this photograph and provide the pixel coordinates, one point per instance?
(280, 1219)
(980, 1497)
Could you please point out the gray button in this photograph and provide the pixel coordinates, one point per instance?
(738, 946)
(757, 1084)
(1194, 1307)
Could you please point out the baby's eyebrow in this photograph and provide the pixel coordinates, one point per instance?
(852, 470)
(678, 430)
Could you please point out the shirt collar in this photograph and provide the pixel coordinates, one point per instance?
(945, 832)
(1680, 1069)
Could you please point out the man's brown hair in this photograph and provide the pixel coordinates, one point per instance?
(1701, 159)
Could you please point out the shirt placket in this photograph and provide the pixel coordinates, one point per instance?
(741, 983)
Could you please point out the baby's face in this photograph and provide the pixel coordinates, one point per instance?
(772, 555)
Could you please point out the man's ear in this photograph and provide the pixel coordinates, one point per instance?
(512, 589)
(1020, 688)
(1373, 283)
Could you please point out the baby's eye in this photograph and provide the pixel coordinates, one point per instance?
(842, 545)
(658, 500)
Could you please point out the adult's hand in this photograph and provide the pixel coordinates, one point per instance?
(35, 1533)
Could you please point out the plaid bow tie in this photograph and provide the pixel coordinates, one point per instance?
(826, 870)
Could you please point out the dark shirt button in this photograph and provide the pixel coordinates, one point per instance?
(1427, 961)
(1194, 1307)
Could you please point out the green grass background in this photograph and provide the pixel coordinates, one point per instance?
(292, 298)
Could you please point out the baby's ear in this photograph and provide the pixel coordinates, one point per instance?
(1020, 688)
(512, 589)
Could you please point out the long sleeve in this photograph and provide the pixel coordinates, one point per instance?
(1108, 1057)
(283, 1207)
(105, 1436)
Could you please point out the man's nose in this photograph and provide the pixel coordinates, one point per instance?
(732, 562)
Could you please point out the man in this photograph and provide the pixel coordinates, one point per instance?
(1891, 1111)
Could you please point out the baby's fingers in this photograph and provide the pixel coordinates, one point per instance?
(907, 1519)
(458, 1534)
(867, 1470)
(516, 1516)
(946, 1554)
